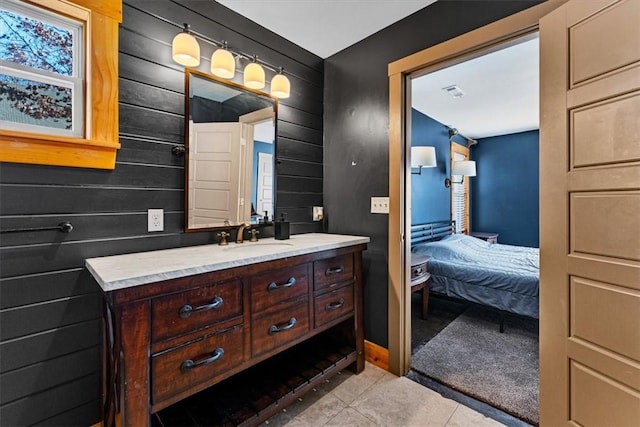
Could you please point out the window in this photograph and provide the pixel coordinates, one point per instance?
(59, 82)
(460, 191)
(41, 71)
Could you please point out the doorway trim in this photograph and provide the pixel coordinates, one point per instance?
(469, 44)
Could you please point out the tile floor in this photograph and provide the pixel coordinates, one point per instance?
(376, 398)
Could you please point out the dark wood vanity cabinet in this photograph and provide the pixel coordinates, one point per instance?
(169, 340)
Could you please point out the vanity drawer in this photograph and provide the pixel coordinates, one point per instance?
(327, 272)
(176, 314)
(333, 305)
(275, 286)
(180, 369)
(279, 328)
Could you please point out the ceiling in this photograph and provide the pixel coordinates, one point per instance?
(325, 27)
(501, 88)
(500, 93)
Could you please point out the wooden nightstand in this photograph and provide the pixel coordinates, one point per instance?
(420, 279)
(489, 237)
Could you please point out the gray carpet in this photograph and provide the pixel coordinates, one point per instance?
(472, 356)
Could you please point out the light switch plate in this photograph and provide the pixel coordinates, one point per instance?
(155, 220)
(380, 205)
(318, 213)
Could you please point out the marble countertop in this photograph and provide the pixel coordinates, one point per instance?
(124, 271)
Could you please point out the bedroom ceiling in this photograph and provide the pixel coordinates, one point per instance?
(500, 93)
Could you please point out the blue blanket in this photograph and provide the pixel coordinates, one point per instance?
(502, 276)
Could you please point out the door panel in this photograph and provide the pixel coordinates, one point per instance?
(606, 224)
(590, 214)
(605, 41)
(596, 306)
(599, 401)
(600, 122)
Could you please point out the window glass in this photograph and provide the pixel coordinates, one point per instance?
(41, 81)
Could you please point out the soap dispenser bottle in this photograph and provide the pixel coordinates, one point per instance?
(281, 228)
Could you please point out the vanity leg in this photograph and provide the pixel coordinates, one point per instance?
(134, 359)
(358, 312)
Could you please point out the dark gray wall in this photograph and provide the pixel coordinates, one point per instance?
(49, 307)
(356, 129)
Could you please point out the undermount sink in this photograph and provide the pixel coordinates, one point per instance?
(254, 245)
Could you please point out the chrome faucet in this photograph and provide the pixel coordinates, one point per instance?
(240, 233)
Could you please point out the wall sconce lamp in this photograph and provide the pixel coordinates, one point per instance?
(422, 157)
(254, 74)
(280, 85)
(461, 168)
(223, 64)
(186, 51)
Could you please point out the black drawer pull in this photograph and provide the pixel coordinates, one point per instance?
(186, 310)
(190, 364)
(273, 285)
(334, 305)
(274, 329)
(418, 270)
(335, 270)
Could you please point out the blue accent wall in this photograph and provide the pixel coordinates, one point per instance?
(430, 199)
(258, 147)
(505, 194)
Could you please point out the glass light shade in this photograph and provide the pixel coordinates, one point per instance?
(223, 64)
(423, 157)
(280, 86)
(254, 76)
(185, 50)
(464, 167)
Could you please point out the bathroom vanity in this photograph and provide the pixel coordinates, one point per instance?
(180, 321)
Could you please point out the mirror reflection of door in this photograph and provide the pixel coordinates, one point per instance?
(260, 142)
(214, 174)
(264, 193)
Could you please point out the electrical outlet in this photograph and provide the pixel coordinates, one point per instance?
(155, 220)
(380, 205)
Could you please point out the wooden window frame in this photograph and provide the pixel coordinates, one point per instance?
(464, 151)
(99, 145)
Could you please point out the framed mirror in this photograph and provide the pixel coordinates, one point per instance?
(230, 153)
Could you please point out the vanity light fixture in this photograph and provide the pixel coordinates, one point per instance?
(254, 74)
(280, 85)
(185, 49)
(462, 168)
(423, 157)
(223, 64)
(224, 61)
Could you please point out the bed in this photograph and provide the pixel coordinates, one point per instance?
(504, 277)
